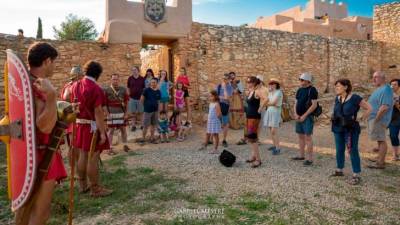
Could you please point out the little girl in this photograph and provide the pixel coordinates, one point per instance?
(179, 97)
(213, 122)
(176, 126)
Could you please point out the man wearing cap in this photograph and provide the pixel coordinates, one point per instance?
(305, 105)
(225, 92)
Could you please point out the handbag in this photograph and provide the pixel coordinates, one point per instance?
(285, 114)
(227, 158)
(343, 121)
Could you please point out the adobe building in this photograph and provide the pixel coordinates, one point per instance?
(319, 17)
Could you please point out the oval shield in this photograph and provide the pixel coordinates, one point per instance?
(155, 11)
(22, 137)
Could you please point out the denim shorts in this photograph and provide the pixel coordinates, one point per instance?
(225, 119)
(306, 127)
(134, 106)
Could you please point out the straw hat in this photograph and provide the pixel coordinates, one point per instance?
(274, 80)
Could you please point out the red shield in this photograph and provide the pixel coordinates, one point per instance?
(22, 155)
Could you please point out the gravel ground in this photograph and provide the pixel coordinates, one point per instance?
(308, 190)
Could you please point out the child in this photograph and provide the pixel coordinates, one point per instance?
(179, 97)
(213, 122)
(176, 126)
(163, 126)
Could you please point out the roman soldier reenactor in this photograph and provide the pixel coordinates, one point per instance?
(91, 137)
(36, 210)
(116, 101)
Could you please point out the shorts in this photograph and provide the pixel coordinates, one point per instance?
(164, 100)
(135, 106)
(225, 119)
(252, 129)
(306, 127)
(185, 93)
(150, 119)
(376, 130)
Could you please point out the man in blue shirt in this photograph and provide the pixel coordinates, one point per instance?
(225, 92)
(305, 105)
(381, 101)
(150, 100)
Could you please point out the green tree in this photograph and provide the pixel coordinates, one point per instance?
(39, 34)
(75, 28)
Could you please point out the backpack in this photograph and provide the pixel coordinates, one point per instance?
(227, 158)
(317, 111)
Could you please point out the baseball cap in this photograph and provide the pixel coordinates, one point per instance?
(306, 76)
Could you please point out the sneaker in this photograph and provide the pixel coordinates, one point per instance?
(133, 128)
(272, 148)
(225, 144)
(276, 151)
(202, 148)
(308, 163)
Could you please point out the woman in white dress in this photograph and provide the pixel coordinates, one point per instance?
(272, 118)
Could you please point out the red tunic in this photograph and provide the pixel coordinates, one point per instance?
(56, 169)
(89, 95)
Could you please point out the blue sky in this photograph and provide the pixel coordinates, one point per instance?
(23, 13)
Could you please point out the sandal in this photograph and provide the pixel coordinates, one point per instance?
(126, 148)
(214, 152)
(83, 187)
(99, 191)
(111, 152)
(355, 180)
(297, 158)
(253, 165)
(376, 167)
(337, 174)
(250, 160)
(202, 148)
(372, 160)
(241, 142)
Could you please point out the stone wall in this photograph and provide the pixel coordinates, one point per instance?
(155, 59)
(210, 51)
(387, 30)
(115, 58)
